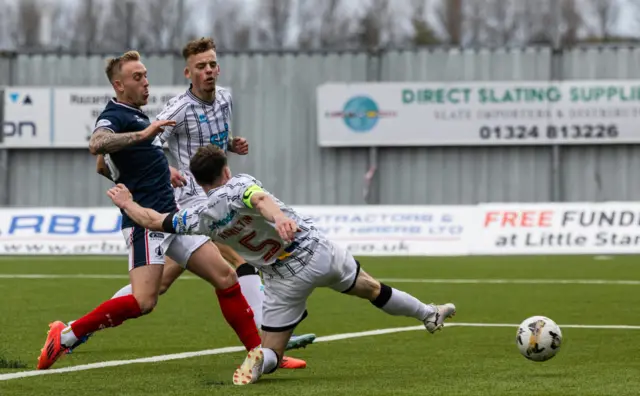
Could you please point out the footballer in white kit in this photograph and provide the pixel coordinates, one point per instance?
(228, 216)
(293, 255)
(197, 124)
(203, 115)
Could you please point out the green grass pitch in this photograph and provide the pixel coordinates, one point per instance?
(456, 361)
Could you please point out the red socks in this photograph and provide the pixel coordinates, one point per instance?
(239, 315)
(110, 313)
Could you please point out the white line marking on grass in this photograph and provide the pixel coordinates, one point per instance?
(27, 257)
(218, 351)
(113, 363)
(519, 281)
(186, 355)
(603, 258)
(65, 276)
(395, 280)
(562, 326)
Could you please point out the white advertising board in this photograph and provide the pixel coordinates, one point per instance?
(27, 118)
(486, 229)
(567, 228)
(76, 111)
(63, 117)
(478, 113)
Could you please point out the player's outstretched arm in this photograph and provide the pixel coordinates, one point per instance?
(146, 218)
(105, 141)
(257, 199)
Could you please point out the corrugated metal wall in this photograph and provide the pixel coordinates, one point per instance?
(275, 108)
(274, 98)
(607, 172)
(5, 70)
(55, 178)
(72, 70)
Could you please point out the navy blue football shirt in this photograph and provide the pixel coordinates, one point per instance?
(143, 167)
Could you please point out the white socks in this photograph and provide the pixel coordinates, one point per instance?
(270, 362)
(125, 291)
(399, 303)
(68, 337)
(252, 289)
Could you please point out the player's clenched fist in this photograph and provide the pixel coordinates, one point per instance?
(286, 228)
(239, 146)
(177, 180)
(157, 127)
(120, 195)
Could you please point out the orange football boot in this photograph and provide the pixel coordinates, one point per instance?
(53, 348)
(292, 363)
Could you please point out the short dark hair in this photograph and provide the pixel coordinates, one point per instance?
(198, 46)
(207, 164)
(114, 65)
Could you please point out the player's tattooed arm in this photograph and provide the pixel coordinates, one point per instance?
(105, 141)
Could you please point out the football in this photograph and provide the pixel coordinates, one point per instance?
(539, 338)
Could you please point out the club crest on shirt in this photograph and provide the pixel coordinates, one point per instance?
(203, 119)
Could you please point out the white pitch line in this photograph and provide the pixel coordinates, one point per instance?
(186, 355)
(26, 257)
(394, 280)
(520, 281)
(218, 351)
(65, 276)
(563, 326)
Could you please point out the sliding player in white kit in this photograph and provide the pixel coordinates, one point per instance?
(294, 257)
(203, 116)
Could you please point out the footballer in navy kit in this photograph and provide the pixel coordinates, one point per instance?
(141, 165)
(146, 166)
(135, 158)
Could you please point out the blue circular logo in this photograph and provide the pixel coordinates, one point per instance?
(361, 114)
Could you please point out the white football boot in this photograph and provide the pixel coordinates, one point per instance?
(251, 369)
(435, 321)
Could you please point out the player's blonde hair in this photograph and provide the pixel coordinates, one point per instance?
(207, 164)
(114, 65)
(198, 46)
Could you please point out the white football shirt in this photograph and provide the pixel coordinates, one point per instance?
(228, 218)
(198, 123)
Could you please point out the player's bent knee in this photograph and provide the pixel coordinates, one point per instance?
(208, 264)
(145, 283)
(226, 278)
(147, 303)
(164, 287)
(366, 287)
